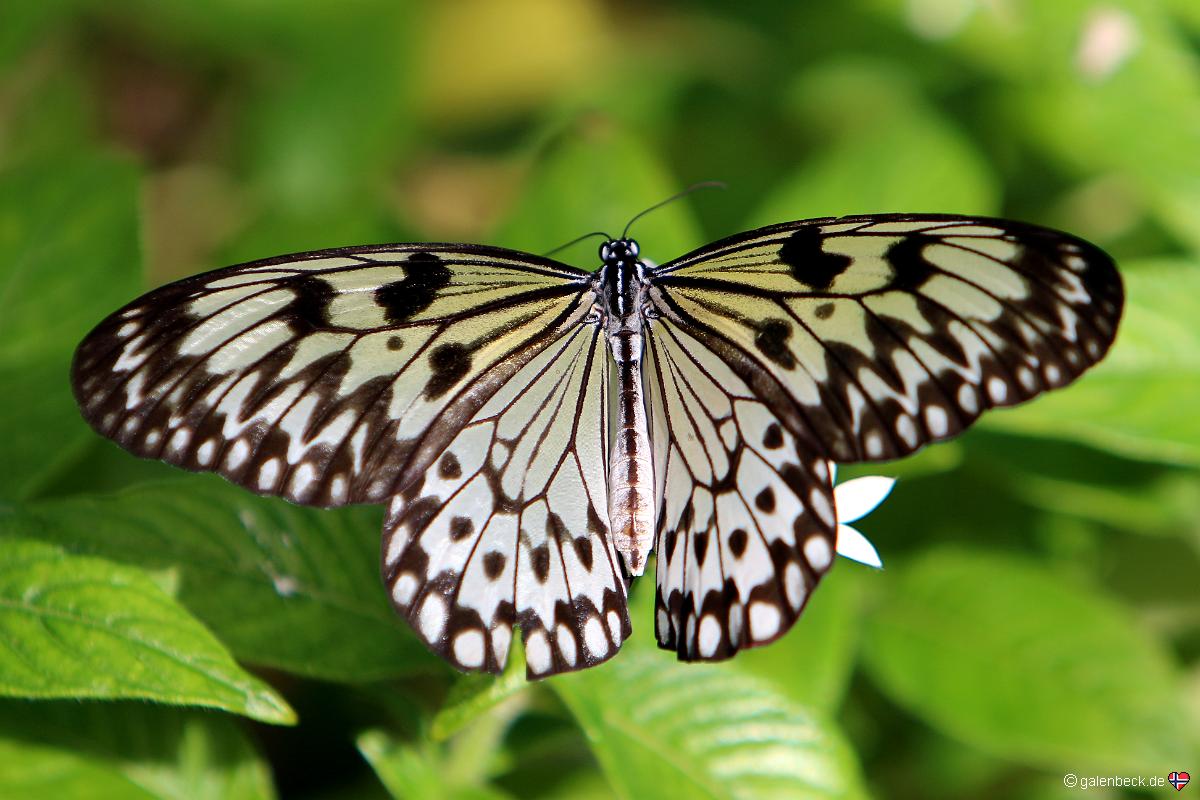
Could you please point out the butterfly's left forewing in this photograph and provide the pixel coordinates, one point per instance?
(329, 377)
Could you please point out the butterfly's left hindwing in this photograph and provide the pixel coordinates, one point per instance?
(511, 526)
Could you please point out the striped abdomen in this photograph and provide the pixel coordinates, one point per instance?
(630, 469)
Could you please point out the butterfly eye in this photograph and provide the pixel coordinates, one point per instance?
(605, 251)
(632, 247)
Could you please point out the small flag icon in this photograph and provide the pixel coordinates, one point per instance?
(1178, 780)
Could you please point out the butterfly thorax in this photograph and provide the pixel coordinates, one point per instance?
(620, 290)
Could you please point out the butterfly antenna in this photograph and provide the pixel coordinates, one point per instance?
(694, 187)
(576, 240)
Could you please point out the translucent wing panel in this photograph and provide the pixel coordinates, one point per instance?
(746, 523)
(511, 526)
(883, 333)
(326, 378)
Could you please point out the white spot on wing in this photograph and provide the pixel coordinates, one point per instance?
(816, 550)
(710, 635)
(468, 648)
(537, 652)
(764, 620)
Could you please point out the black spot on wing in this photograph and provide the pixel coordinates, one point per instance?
(309, 311)
(700, 545)
(809, 263)
(738, 541)
(461, 528)
(583, 551)
(773, 437)
(771, 341)
(540, 559)
(910, 268)
(449, 468)
(493, 564)
(450, 364)
(424, 276)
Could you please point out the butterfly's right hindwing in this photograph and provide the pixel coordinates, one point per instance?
(328, 378)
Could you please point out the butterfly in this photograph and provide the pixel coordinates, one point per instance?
(537, 430)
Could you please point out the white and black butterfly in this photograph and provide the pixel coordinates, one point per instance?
(536, 429)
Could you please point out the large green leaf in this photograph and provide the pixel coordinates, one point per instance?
(1140, 400)
(112, 751)
(68, 255)
(1023, 663)
(76, 626)
(661, 729)
(282, 586)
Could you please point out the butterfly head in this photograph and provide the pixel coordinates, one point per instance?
(616, 251)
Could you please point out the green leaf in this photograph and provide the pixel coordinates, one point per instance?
(596, 176)
(107, 751)
(283, 586)
(68, 255)
(1026, 665)
(473, 696)
(1135, 402)
(83, 627)
(704, 731)
(412, 771)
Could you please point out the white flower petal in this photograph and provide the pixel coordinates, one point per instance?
(856, 498)
(853, 545)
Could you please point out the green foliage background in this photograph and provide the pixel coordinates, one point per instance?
(169, 635)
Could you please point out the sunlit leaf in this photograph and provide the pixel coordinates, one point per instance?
(703, 731)
(282, 586)
(112, 751)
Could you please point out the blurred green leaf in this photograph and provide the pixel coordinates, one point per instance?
(413, 772)
(666, 730)
(472, 696)
(596, 176)
(282, 586)
(112, 751)
(1026, 665)
(68, 251)
(21, 24)
(82, 627)
(902, 156)
(1136, 401)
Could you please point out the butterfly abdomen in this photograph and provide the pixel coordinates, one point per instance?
(630, 472)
